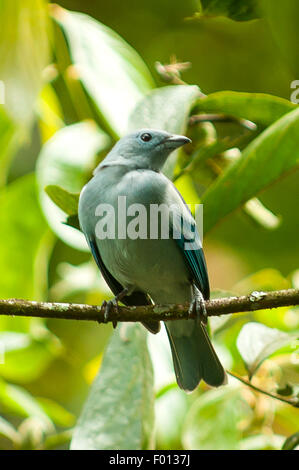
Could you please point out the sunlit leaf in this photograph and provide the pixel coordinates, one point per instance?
(7, 133)
(257, 107)
(212, 420)
(7, 430)
(261, 442)
(67, 160)
(286, 418)
(57, 413)
(68, 202)
(263, 280)
(22, 229)
(18, 401)
(24, 52)
(165, 108)
(118, 413)
(169, 423)
(14, 341)
(256, 342)
(111, 71)
(275, 151)
(25, 357)
(49, 112)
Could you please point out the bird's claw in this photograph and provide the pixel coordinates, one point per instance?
(108, 306)
(198, 307)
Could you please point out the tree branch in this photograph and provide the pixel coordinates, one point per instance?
(215, 307)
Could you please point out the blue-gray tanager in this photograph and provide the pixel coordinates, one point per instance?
(148, 268)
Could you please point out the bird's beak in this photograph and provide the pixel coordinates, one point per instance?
(175, 141)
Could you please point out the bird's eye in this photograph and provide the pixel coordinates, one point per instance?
(146, 137)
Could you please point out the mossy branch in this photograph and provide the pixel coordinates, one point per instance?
(214, 307)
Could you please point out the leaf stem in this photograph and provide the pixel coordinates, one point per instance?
(294, 401)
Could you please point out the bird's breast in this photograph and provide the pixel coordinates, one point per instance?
(133, 236)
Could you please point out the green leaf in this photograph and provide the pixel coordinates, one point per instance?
(67, 161)
(111, 71)
(256, 342)
(118, 413)
(26, 357)
(14, 341)
(7, 133)
(17, 400)
(7, 430)
(68, 202)
(261, 442)
(268, 157)
(22, 231)
(282, 18)
(49, 112)
(235, 9)
(291, 442)
(59, 415)
(24, 53)
(212, 421)
(257, 107)
(165, 108)
(73, 221)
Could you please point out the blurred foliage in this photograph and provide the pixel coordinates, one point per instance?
(74, 82)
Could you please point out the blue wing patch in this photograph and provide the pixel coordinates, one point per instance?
(195, 261)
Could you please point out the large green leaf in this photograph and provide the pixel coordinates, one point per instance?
(256, 342)
(25, 356)
(282, 18)
(212, 421)
(7, 133)
(257, 107)
(118, 413)
(22, 231)
(24, 53)
(67, 160)
(270, 155)
(111, 71)
(165, 108)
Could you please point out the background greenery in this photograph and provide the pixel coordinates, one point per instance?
(73, 86)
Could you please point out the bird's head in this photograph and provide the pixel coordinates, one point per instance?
(146, 148)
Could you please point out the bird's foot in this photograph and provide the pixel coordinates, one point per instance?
(107, 307)
(110, 305)
(198, 307)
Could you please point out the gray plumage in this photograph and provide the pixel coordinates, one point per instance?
(158, 270)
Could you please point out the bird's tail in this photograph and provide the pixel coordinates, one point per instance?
(193, 355)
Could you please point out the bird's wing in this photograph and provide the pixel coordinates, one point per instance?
(189, 244)
(196, 263)
(136, 298)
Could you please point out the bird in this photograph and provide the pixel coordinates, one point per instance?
(149, 268)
